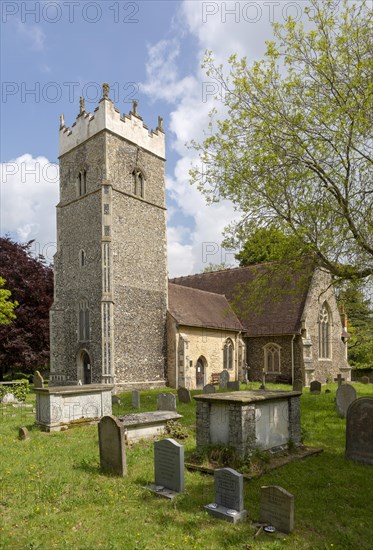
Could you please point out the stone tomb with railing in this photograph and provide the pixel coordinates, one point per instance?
(247, 420)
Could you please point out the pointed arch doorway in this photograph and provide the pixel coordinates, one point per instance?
(201, 372)
(84, 368)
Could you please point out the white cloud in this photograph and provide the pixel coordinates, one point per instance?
(29, 194)
(33, 34)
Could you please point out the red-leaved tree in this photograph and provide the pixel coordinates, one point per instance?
(24, 343)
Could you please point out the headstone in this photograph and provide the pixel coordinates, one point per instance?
(277, 508)
(339, 379)
(168, 468)
(184, 395)
(298, 385)
(315, 386)
(166, 402)
(112, 446)
(364, 379)
(38, 380)
(9, 398)
(346, 394)
(228, 503)
(136, 399)
(23, 434)
(209, 388)
(359, 431)
(223, 379)
(234, 385)
(115, 400)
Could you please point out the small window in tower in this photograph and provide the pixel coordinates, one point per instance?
(107, 230)
(82, 258)
(84, 182)
(138, 183)
(106, 189)
(106, 209)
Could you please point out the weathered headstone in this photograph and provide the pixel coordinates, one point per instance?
(315, 386)
(298, 384)
(228, 503)
(346, 394)
(168, 468)
(115, 400)
(9, 398)
(38, 380)
(277, 508)
(23, 434)
(223, 379)
(112, 446)
(166, 402)
(184, 395)
(359, 430)
(339, 379)
(364, 379)
(136, 399)
(234, 385)
(209, 388)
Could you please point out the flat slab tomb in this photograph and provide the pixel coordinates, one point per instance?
(146, 425)
(246, 420)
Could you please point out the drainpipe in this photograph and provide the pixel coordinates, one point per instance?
(176, 358)
(292, 359)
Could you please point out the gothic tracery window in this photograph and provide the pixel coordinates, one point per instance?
(324, 332)
(272, 358)
(228, 354)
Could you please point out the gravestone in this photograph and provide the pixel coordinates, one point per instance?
(228, 503)
(364, 379)
(168, 468)
(359, 431)
(209, 388)
(136, 399)
(339, 379)
(23, 434)
(277, 508)
(346, 394)
(9, 398)
(184, 395)
(223, 379)
(166, 402)
(112, 446)
(298, 385)
(38, 380)
(234, 385)
(315, 387)
(115, 400)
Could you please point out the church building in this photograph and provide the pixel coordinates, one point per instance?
(116, 318)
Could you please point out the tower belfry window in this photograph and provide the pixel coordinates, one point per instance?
(138, 183)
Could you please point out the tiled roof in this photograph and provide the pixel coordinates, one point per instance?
(198, 308)
(268, 298)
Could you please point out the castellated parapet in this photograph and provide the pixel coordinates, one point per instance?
(108, 319)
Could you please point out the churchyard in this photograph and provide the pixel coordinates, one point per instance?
(55, 495)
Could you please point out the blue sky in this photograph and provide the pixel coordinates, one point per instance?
(54, 52)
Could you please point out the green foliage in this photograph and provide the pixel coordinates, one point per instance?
(295, 150)
(216, 267)
(18, 389)
(176, 430)
(6, 306)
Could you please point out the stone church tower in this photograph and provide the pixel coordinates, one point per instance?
(109, 313)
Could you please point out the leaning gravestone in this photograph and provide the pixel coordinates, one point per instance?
(359, 431)
(234, 385)
(346, 394)
(228, 503)
(112, 446)
(364, 379)
(23, 434)
(168, 468)
(209, 388)
(166, 402)
(136, 399)
(315, 386)
(184, 395)
(223, 379)
(277, 508)
(38, 380)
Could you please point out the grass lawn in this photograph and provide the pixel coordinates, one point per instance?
(53, 494)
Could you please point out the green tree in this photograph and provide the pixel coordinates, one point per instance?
(295, 151)
(6, 305)
(216, 267)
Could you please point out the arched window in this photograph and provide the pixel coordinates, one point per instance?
(272, 358)
(228, 354)
(82, 183)
(82, 258)
(84, 328)
(138, 183)
(324, 332)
